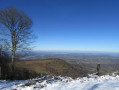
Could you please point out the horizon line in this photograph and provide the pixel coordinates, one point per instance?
(80, 51)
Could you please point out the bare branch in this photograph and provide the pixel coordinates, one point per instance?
(17, 29)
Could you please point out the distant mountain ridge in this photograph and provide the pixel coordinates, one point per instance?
(102, 58)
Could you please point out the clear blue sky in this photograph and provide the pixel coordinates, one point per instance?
(84, 25)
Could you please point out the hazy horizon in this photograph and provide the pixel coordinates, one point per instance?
(75, 51)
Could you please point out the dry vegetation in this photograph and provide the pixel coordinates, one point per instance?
(51, 66)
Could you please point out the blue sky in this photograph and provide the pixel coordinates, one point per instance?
(76, 25)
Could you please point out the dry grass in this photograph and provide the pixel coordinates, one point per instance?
(50, 66)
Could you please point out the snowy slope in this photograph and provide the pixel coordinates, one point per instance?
(92, 82)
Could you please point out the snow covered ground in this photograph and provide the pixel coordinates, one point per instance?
(92, 82)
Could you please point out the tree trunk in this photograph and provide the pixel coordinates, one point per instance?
(13, 55)
(0, 72)
(12, 65)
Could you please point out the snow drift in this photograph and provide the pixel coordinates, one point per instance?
(92, 82)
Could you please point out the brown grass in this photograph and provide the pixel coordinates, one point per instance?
(50, 66)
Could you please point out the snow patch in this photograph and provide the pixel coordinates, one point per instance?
(92, 82)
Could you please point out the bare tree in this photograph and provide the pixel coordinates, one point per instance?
(15, 30)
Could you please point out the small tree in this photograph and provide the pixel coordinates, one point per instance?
(98, 69)
(15, 30)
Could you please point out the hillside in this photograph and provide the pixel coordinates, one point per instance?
(55, 66)
(91, 68)
(51, 66)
